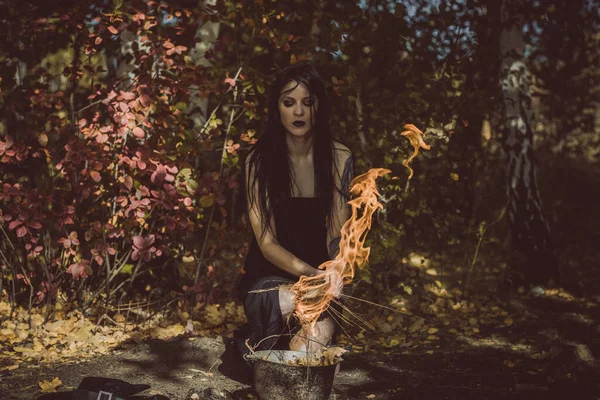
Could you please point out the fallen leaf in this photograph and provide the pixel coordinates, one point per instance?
(50, 386)
(416, 325)
(431, 331)
(508, 321)
(371, 396)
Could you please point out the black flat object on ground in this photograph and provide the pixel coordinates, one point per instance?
(100, 388)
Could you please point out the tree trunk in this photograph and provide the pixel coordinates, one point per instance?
(530, 235)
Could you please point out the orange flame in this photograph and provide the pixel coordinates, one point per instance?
(313, 294)
(415, 136)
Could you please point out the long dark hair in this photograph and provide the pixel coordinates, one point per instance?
(269, 159)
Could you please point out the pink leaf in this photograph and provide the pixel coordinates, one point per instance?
(35, 225)
(14, 224)
(98, 40)
(102, 138)
(22, 231)
(138, 241)
(77, 270)
(138, 132)
(149, 240)
(128, 95)
(113, 30)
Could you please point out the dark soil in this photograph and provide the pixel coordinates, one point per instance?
(460, 368)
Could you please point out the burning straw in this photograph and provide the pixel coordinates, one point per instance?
(313, 294)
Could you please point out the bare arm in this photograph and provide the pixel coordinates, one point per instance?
(341, 209)
(267, 242)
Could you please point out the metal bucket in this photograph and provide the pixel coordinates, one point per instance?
(275, 379)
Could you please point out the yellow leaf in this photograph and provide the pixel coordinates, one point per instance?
(187, 259)
(50, 386)
(509, 364)
(207, 201)
(371, 396)
(4, 308)
(119, 318)
(416, 325)
(473, 321)
(454, 177)
(429, 352)
(431, 271)
(508, 321)
(431, 331)
(22, 349)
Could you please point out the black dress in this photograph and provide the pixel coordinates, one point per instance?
(300, 224)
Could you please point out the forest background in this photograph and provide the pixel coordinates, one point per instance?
(124, 125)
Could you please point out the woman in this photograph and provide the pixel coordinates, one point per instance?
(297, 182)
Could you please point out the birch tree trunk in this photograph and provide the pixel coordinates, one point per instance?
(530, 234)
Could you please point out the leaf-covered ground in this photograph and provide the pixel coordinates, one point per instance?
(487, 342)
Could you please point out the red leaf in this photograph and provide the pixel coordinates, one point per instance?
(145, 100)
(98, 40)
(113, 30)
(128, 182)
(159, 175)
(95, 176)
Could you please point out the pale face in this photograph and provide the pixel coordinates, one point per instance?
(297, 110)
